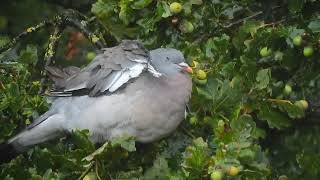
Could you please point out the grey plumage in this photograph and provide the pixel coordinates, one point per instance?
(101, 71)
(149, 105)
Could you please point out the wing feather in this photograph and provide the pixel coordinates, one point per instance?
(109, 71)
(127, 74)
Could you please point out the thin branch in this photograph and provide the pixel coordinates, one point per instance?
(50, 53)
(28, 31)
(279, 101)
(188, 133)
(81, 26)
(97, 172)
(86, 171)
(273, 23)
(72, 17)
(244, 19)
(248, 17)
(68, 18)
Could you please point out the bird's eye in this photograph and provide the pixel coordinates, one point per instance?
(167, 59)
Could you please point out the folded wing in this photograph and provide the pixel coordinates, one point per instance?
(106, 73)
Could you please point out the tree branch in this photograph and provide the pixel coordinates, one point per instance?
(50, 53)
(28, 31)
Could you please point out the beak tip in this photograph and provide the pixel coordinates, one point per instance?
(186, 68)
(190, 70)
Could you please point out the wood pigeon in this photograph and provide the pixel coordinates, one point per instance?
(126, 90)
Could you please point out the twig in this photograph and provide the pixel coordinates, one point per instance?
(68, 18)
(86, 171)
(280, 101)
(28, 31)
(273, 23)
(97, 173)
(2, 86)
(71, 18)
(244, 19)
(81, 26)
(188, 133)
(248, 17)
(50, 52)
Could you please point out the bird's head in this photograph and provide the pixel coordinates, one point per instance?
(169, 61)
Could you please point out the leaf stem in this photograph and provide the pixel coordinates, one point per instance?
(86, 171)
(279, 101)
(97, 173)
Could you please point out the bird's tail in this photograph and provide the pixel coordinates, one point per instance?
(7, 152)
(46, 130)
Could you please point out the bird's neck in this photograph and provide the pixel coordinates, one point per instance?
(179, 85)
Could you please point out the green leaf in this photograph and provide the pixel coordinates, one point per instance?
(104, 8)
(160, 170)
(196, 156)
(247, 155)
(126, 13)
(293, 111)
(29, 55)
(250, 27)
(295, 6)
(126, 142)
(217, 46)
(209, 90)
(163, 9)
(80, 138)
(228, 69)
(243, 122)
(274, 118)
(263, 78)
(314, 26)
(140, 4)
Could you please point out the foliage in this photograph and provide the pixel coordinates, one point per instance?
(237, 112)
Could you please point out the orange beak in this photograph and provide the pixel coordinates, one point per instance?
(186, 68)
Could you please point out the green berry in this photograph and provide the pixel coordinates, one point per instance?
(297, 41)
(283, 177)
(90, 176)
(201, 81)
(175, 7)
(308, 51)
(216, 175)
(303, 104)
(287, 89)
(193, 120)
(186, 27)
(201, 74)
(264, 52)
(91, 55)
(233, 171)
